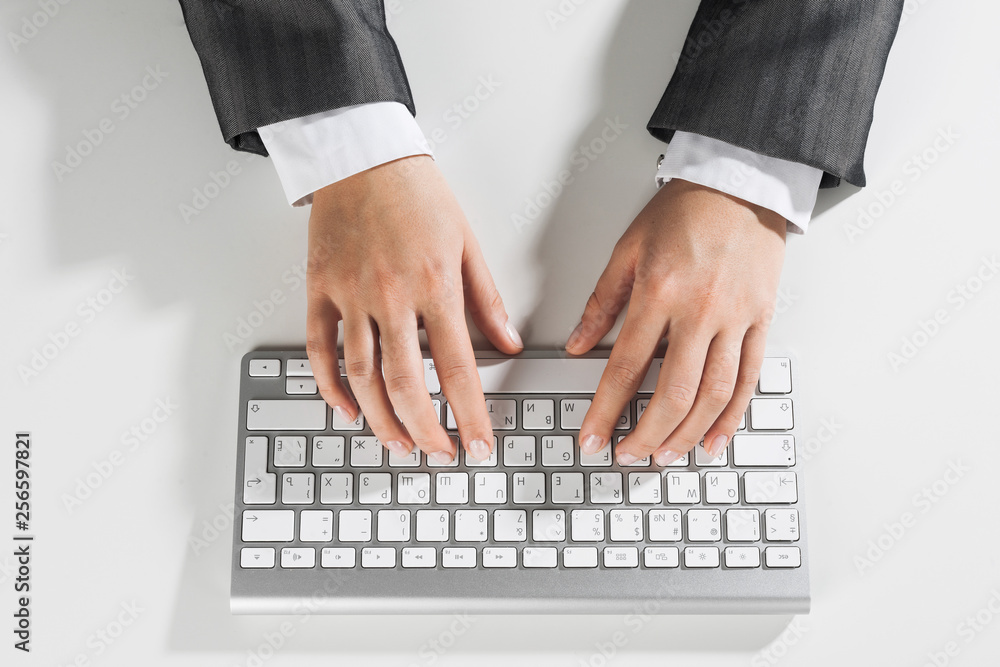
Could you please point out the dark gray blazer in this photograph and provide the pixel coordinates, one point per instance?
(794, 79)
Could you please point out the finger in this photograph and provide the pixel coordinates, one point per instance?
(626, 368)
(714, 393)
(403, 374)
(484, 302)
(676, 388)
(751, 358)
(363, 360)
(321, 348)
(455, 362)
(605, 303)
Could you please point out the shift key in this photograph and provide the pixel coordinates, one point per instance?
(286, 415)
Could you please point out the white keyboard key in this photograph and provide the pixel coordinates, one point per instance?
(625, 421)
(502, 413)
(640, 408)
(781, 525)
(375, 488)
(704, 525)
(328, 451)
(298, 557)
(621, 557)
(413, 488)
(259, 485)
(299, 368)
(458, 557)
(378, 557)
(775, 376)
(433, 525)
(503, 557)
(338, 557)
(289, 451)
(256, 557)
(452, 488)
(605, 487)
(470, 525)
(529, 488)
(567, 488)
(411, 460)
(742, 525)
(355, 525)
(722, 488)
(742, 557)
(548, 526)
(450, 421)
(580, 557)
(298, 488)
(336, 488)
(268, 526)
(316, 525)
(644, 488)
(702, 459)
(510, 525)
(769, 488)
(366, 451)
(491, 462)
(571, 413)
(431, 377)
(626, 525)
(743, 422)
(286, 415)
(683, 488)
(660, 557)
(538, 414)
(557, 450)
(342, 425)
(681, 462)
(491, 488)
(765, 451)
(587, 525)
(265, 368)
(701, 557)
(540, 557)
(602, 459)
(519, 451)
(771, 414)
(393, 525)
(782, 557)
(664, 525)
(419, 557)
(300, 386)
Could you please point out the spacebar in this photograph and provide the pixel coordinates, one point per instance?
(286, 415)
(551, 375)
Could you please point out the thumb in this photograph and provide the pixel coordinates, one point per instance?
(484, 302)
(605, 303)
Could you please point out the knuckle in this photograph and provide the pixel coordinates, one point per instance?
(623, 376)
(361, 372)
(717, 391)
(403, 383)
(675, 396)
(455, 374)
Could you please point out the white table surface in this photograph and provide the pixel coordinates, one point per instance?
(848, 304)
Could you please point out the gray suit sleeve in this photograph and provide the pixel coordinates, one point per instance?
(271, 60)
(790, 79)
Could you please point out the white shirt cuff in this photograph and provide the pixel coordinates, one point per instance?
(787, 188)
(314, 151)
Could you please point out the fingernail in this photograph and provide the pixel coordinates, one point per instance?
(575, 336)
(626, 459)
(398, 448)
(718, 445)
(343, 414)
(442, 457)
(512, 333)
(666, 458)
(592, 444)
(479, 450)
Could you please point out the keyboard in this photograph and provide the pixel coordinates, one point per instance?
(327, 519)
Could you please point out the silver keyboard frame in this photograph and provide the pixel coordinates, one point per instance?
(598, 590)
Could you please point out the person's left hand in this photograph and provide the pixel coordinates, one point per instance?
(700, 267)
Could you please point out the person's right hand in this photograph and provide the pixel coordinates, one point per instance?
(389, 249)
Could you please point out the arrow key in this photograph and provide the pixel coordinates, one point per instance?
(256, 557)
